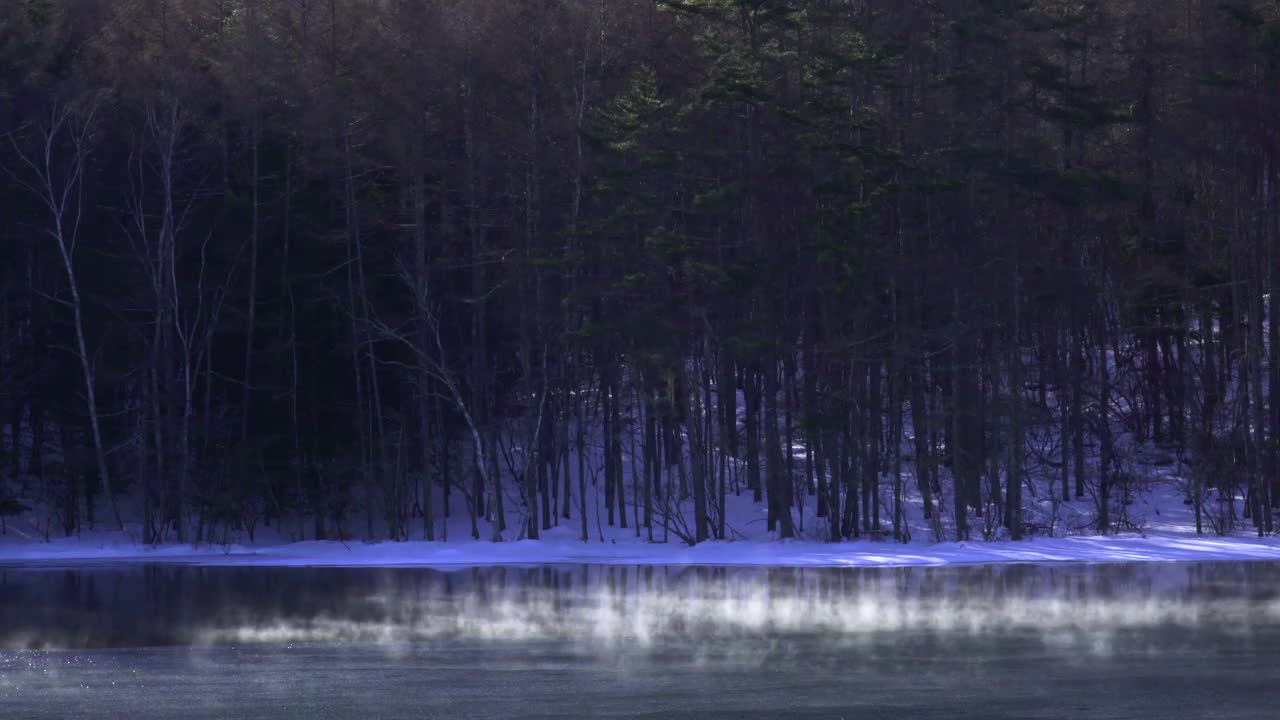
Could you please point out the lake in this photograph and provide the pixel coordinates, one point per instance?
(1153, 640)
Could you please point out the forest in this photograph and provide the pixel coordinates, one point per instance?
(368, 265)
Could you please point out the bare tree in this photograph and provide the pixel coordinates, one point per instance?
(56, 176)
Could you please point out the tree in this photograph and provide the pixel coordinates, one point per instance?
(57, 174)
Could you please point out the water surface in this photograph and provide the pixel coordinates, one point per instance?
(1155, 640)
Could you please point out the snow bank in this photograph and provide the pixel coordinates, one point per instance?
(559, 548)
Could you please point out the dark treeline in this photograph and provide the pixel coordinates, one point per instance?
(377, 263)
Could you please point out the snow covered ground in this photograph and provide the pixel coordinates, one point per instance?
(561, 545)
(564, 550)
(1163, 530)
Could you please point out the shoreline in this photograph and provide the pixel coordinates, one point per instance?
(745, 553)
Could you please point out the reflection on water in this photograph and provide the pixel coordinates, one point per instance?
(602, 609)
(1105, 641)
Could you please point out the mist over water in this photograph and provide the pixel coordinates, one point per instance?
(605, 609)
(65, 631)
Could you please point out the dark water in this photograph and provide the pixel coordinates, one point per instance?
(1180, 640)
